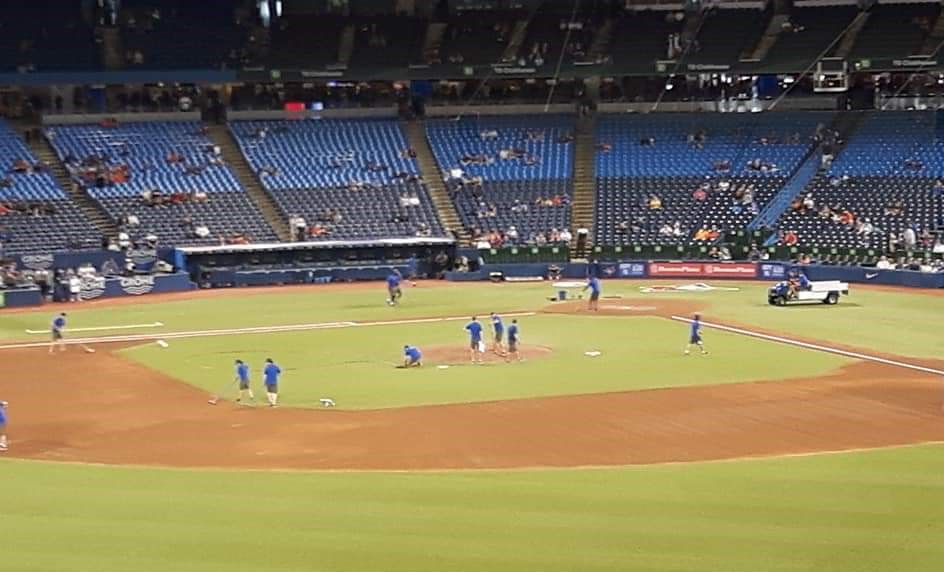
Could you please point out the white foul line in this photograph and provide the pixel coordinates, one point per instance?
(104, 328)
(238, 331)
(812, 346)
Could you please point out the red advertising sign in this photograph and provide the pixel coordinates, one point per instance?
(676, 269)
(703, 269)
(731, 270)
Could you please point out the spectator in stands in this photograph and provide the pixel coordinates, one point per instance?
(647, 141)
(408, 153)
(913, 165)
(925, 240)
(895, 208)
(864, 227)
(909, 238)
(174, 157)
(883, 263)
(512, 234)
(488, 134)
(655, 202)
(722, 166)
(665, 230)
(201, 231)
(75, 286)
(604, 147)
(939, 188)
(268, 171)
(151, 239)
(790, 238)
(565, 236)
(124, 240)
(701, 193)
(199, 196)
(755, 254)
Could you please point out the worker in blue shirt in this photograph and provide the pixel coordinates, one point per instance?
(393, 288)
(475, 338)
(513, 338)
(593, 284)
(499, 328)
(56, 329)
(242, 377)
(694, 337)
(271, 373)
(412, 356)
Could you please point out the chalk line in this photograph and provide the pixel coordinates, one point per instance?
(104, 328)
(812, 346)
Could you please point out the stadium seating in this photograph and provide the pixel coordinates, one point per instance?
(895, 158)
(672, 167)
(624, 216)
(516, 204)
(507, 182)
(357, 168)
(22, 232)
(144, 148)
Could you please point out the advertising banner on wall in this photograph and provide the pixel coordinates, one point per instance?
(702, 270)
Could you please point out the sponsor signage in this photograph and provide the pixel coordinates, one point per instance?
(37, 261)
(92, 287)
(773, 271)
(137, 285)
(731, 270)
(703, 269)
(632, 269)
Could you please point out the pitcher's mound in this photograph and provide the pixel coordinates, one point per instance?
(459, 355)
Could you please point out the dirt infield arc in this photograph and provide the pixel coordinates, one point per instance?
(102, 408)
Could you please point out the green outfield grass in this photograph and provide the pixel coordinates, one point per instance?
(869, 319)
(872, 511)
(355, 366)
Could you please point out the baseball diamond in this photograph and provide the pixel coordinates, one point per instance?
(471, 285)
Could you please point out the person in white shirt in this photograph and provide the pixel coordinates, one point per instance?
(133, 220)
(201, 231)
(75, 288)
(909, 238)
(884, 264)
(512, 233)
(565, 236)
(124, 240)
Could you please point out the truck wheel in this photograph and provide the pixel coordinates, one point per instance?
(832, 298)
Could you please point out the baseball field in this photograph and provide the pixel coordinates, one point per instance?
(810, 438)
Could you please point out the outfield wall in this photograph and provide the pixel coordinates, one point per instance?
(669, 270)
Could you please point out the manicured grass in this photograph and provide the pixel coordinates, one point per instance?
(355, 366)
(872, 511)
(867, 318)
